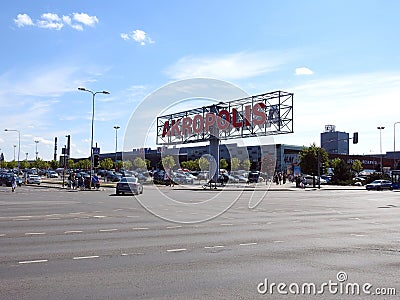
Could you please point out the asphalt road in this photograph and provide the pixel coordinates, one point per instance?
(178, 244)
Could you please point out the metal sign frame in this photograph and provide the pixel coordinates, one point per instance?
(260, 115)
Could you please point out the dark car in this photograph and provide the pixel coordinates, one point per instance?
(114, 177)
(5, 179)
(379, 185)
(129, 185)
(253, 177)
(158, 177)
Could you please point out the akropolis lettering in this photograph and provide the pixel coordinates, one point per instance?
(223, 120)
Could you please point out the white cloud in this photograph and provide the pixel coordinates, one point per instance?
(85, 19)
(23, 20)
(231, 66)
(138, 36)
(50, 21)
(53, 21)
(303, 71)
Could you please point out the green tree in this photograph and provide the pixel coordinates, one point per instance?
(140, 163)
(106, 164)
(342, 173)
(148, 163)
(223, 164)
(128, 165)
(168, 162)
(70, 164)
(83, 164)
(334, 162)
(119, 164)
(3, 164)
(357, 166)
(246, 164)
(235, 163)
(309, 159)
(12, 164)
(54, 164)
(24, 164)
(204, 164)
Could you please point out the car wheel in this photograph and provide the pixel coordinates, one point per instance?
(378, 188)
(141, 191)
(117, 192)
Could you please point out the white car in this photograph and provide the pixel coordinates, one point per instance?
(310, 180)
(34, 179)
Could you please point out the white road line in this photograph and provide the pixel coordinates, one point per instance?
(173, 227)
(140, 228)
(99, 217)
(358, 235)
(73, 231)
(108, 230)
(177, 250)
(247, 244)
(24, 217)
(32, 261)
(118, 209)
(35, 233)
(21, 219)
(86, 257)
(76, 213)
(52, 215)
(3, 234)
(54, 219)
(132, 216)
(278, 241)
(214, 247)
(127, 254)
(226, 224)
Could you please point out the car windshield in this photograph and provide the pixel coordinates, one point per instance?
(129, 179)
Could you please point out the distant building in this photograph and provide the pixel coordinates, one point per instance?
(335, 142)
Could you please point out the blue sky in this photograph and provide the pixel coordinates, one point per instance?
(340, 59)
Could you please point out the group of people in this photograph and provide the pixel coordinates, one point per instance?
(280, 178)
(82, 182)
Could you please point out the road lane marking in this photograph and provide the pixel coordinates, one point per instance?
(99, 217)
(358, 235)
(54, 219)
(108, 230)
(132, 216)
(35, 233)
(86, 257)
(118, 209)
(140, 228)
(32, 261)
(2, 234)
(127, 254)
(278, 241)
(247, 244)
(177, 250)
(73, 231)
(173, 227)
(214, 247)
(226, 224)
(21, 219)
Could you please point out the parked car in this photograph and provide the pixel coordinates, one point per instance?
(379, 185)
(310, 179)
(114, 177)
(52, 174)
(33, 179)
(254, 177)
(5, 178)
(129, 185)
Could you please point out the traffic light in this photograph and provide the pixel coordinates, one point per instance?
(355, 137)
(95, 161)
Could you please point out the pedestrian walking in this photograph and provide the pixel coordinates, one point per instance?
(13, 183)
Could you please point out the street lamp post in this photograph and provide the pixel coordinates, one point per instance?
(19, 144)
(394, 143)
(116, 127)
(36, 142)
(91, 139)
(14, 150)
(26, 156)
(380, 143)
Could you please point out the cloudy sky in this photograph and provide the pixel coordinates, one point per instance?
(341, 60)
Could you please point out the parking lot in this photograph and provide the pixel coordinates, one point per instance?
(59, 244)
